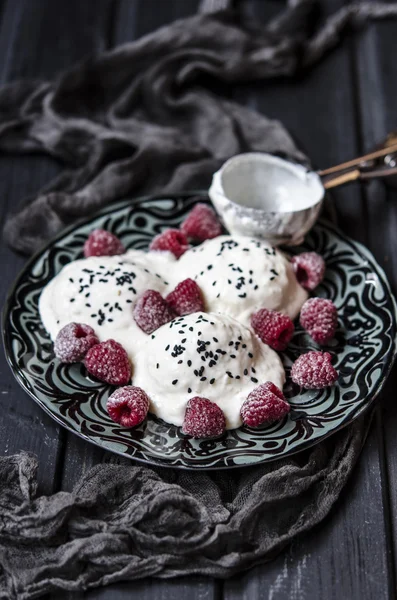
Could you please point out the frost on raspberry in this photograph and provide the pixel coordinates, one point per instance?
(273, 328)
(203, 419)
(73, 342)
(151, 311)
(319, 317)
(171, 240)
(201, 224)
(186, 298)
(314, 371)
(102, 243)
(109, 362)
(264, 405)
(128, 406)
(309, 268)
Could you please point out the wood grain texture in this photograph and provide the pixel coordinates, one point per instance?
(132, 19)
(347, 556)
(377, 88)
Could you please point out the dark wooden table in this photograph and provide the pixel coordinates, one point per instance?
(342, 107)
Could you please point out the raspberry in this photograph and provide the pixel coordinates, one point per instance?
(273, 328)
(314, 370)
(152, 311)
(172, 240)
(73, 342)
(108, 361)
(320, 319)
(265, 404)
(102, 243)
(309, 268)
(203, 419)
(128, 406)
(186, 298)
(201, 224)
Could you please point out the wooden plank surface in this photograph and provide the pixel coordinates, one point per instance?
(344, 105)
(24, 425)
(339, 559)
(130, 21)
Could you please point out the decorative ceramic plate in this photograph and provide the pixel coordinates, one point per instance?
(363, 349)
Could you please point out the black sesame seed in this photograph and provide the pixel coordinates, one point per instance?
(157, 366)
(238, 377)
(250, 355)
(180, 362)
(232, 356)
(203, 379)
(190, 328)
(175, 382)
(212, 381)
(71, 280)
(88, 305)
(189, 363)
(110, 320)
(189, 390)
(215, 339)
(253, 370)
(254, 380)
(72, 299)
(245, 371)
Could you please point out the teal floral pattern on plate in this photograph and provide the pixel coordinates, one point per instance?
(363, 349)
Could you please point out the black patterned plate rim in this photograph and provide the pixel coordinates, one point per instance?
(190, 464)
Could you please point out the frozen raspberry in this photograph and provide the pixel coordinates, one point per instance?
(320, 319)
(128, 406)
(186, 298)
(265, 404)
(273, 328)
(73, 342)
(108, 361)
(102, 243)
(314, 371)
(172, 240)
(201, 224)
(309, 268)
(203, 419)
(152, 311)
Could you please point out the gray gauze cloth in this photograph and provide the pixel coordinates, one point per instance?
(140, 119)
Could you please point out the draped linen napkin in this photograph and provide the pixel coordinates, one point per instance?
(142, 118)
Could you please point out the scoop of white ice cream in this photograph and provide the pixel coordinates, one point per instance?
(208, 355)
(240, 275)
(101, 292)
